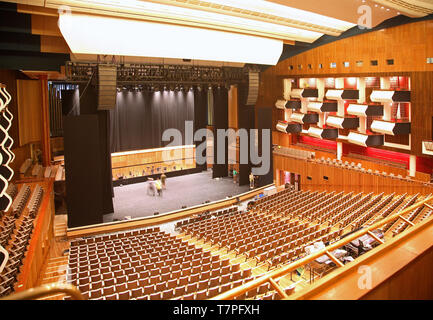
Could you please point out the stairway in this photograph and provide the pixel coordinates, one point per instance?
(60, 226)
(57, 263)
(55, 272)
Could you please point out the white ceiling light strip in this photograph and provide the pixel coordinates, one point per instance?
(268, 10)
(183, 16)
(417, 8)
(87, 34)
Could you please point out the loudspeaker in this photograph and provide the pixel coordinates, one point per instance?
(253, 88)
(107, 86)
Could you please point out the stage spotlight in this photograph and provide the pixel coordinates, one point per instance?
(191, 88)
(165, 88)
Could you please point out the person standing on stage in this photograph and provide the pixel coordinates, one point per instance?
(151, 187)
(163, 178)
(158, 186)
(235, 176)
(251, 181)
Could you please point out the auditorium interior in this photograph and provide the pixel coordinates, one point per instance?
(116, 184)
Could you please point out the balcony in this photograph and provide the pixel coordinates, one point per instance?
(391, 128)
(321, 107)
(342, 123)
(365, 110)
(389, 96)
(288, 104)
(323, 133)
(289, 127)
(366, 140)
(304, 118)
(342, 94)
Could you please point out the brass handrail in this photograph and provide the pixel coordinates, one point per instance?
(282, 271)
(45, 290)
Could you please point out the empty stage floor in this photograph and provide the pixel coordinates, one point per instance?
(190, 190)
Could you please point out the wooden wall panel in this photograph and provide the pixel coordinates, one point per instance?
(45, 26)
(40, 242)
(409, 45)
(29, 100)
(233, 107)
(410, 283)
(54, 45)
(422, 109)
(346, 180)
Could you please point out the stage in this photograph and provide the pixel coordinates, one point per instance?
(189, 190)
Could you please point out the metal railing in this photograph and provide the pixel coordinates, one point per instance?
(284, 270)
(46, 290)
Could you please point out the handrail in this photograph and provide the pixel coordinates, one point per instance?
(282, 271)
(49, 289)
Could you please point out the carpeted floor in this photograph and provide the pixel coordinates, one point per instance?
(194, 189)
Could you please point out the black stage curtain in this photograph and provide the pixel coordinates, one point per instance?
(140, 118)
(220, 118)
(246, 120)
(200, 120)
(264, 121)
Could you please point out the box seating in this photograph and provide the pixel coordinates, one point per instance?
(16, 227)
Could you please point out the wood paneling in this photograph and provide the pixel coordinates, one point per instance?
(409, 45)
(39, 245)
(340, 179)
(45, 26)
(54, 45)
(233, 107)
(152, 161)
(422, 109)
(29, 100)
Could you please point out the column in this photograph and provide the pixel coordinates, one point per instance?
(412, 165)
(46, 142)
(339, 150)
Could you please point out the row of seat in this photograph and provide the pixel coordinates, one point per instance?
(17, 250)
(131, 266)
(295, 153)
(35, 200)
(204, 216)
(21, 199)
